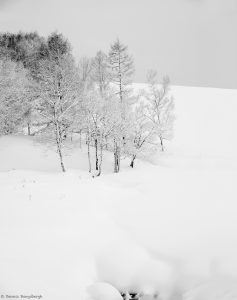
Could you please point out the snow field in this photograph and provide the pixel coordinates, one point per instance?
(167, 227)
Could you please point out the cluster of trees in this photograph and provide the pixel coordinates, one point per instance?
(44, 90)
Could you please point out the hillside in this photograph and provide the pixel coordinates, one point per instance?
(168, 226)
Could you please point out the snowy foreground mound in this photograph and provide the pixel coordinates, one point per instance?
(165, 229)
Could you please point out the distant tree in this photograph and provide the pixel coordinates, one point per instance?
(20, 47)
(52, 48)
(84, 70)
(14, 92)
(161, 107)
(58, 46)
(122, 67)
(101, 73)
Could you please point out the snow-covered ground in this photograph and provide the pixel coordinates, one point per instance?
(167, 227)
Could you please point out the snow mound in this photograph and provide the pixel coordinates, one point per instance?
(129, 267)
(102, 291)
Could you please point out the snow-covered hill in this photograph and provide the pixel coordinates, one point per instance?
(167, 227)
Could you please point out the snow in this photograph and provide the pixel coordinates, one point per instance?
(218, 288)
(158, 228)
(103, 291)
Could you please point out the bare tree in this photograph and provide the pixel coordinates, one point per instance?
(59, 95)
(84, 71)
(121, 64)
(101, 76)
(161, 107)
(100, 73)
(141, 135)
(110, 127)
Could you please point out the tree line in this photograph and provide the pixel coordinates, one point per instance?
(43, 89)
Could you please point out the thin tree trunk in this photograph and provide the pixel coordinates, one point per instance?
(118, 158)
(132, 161)
(106, 143)
(115, 157)
(61, 159)
(59, 147)
(115, 163)
(96, 154)
(28, 128)
(101, 158)
(88, 153)
(80, 140)
(162, 144)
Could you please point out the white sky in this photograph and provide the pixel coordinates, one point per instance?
(193, 41)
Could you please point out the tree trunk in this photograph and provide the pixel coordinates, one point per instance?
(88, 153)
(115, 162)
(115, 157)
(101, 159)
(96, 154)
(28, 128)
(118, 158)
(80, 139)
(106, 143)
(132, 161)
(161, 143)
(61, 159)
(59, 147)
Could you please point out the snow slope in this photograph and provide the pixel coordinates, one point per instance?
(167, 227)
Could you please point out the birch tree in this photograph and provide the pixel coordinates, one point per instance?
(161, 107)
(142, 134)
(59, 95)
(110, 127)
(100, 76)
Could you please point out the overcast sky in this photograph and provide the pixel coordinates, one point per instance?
(193, 41)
